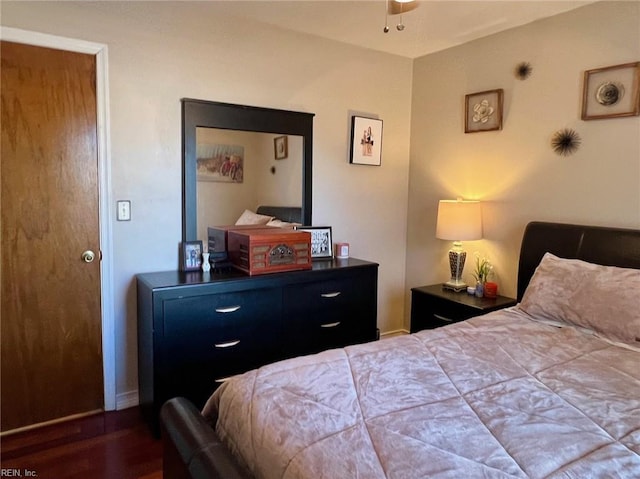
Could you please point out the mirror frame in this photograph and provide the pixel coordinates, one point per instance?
(227, 116)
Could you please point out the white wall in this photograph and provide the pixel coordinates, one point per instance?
(160, 52)
(283, 187)
(514, 171)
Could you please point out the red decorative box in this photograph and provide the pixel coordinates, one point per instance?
(217, 238)
(269, 250)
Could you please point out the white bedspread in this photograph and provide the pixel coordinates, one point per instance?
(493, 397)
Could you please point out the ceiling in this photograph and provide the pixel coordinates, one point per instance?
(430, 26)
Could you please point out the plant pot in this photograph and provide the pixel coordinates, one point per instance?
(490, 289)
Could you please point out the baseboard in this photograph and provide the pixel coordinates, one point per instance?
(391, 334)
(127, 400)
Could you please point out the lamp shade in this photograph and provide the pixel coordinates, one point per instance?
(459, 220)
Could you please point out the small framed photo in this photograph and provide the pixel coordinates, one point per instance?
(483, 111)
(611, 92)
(321, 242)
(366, 141)
(191, 255)
(280, 147)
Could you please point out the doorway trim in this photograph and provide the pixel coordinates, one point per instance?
(104, 187)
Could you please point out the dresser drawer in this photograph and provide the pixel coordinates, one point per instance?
(206, 369)
(196, 380)
(447, 312)
(224, 314)
(239, 347)
(330, 314)
(325, 295)
(223, 329)
(195, 364)
(432, 312)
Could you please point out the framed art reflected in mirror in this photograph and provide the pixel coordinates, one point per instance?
(220, 163)
(280, 147)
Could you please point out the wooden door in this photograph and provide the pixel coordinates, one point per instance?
(50, 297)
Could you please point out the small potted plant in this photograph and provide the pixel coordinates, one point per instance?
(481, 274)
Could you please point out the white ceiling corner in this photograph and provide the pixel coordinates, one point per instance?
(430, 26)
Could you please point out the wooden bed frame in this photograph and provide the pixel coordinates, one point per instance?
(290, 214)
(193, 450)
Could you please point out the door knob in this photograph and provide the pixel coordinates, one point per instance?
(88, 256)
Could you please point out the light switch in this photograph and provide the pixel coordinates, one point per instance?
(124, 210)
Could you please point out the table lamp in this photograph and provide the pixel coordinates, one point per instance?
(458, 220)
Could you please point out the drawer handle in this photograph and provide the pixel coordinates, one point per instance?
(331, 295)
(442, 318)
(330, 325)
(229, 309)
(228, 344)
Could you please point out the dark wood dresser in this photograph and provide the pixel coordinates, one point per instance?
(196, 329)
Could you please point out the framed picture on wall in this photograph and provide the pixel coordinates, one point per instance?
(483, 111)
(221, 163)
(611, 92)
(191, 256)
(280, 147)
(321, 242)
(366, 141)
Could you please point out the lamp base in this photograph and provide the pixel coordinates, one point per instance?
(456, 262)
(455, 285)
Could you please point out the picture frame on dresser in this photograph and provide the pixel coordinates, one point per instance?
(191, 255)
(321, 241)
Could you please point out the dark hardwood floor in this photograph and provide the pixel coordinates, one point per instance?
(111, 445)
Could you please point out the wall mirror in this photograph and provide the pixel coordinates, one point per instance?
(238, 157)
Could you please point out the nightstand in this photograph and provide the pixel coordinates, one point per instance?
(433, 307)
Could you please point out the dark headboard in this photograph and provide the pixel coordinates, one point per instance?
(595, 244)
(290, 214)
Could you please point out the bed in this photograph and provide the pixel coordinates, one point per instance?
(549, 388)
(289, 214)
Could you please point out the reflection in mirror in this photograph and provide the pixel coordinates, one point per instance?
(238, 170)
